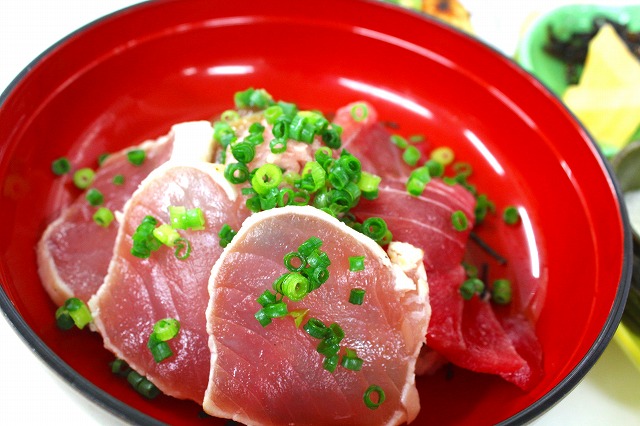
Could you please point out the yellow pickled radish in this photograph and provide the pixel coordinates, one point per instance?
(607, 98)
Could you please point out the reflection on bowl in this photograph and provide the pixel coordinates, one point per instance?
(132, 75)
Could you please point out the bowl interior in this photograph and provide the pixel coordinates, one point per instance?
(130, 76)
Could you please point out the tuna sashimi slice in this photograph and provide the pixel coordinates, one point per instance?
(139, 292)
(273, 375)
(467, 333)
(69, 263)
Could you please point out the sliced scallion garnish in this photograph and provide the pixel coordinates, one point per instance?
(136, 156)
(61, 166)
(378, 397)
(356, 296)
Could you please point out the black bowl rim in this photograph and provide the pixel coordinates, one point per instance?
(134, 416)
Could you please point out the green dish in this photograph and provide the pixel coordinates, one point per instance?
(565, 21)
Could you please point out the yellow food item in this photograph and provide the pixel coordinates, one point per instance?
(451, 11)
(630, 344)
(607, 98)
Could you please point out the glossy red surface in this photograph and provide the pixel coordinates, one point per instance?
(130, 76)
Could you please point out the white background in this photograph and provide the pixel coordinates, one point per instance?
(30, 393)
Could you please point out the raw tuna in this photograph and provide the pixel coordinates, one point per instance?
(466, 333)
(273, 375)
(70, 263)
(139, 292)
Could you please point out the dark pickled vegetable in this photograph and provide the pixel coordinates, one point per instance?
(573, 51)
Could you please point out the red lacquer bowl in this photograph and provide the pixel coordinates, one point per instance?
(129, 76)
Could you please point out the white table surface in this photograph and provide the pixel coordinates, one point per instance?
(30, 393)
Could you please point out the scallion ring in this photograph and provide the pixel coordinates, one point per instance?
(83, 178)
(459, 220)
(379, 396)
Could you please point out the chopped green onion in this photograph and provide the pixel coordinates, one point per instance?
(443, 155)
(262, 317)
(183, 249)
(181, 218)
(83, 178)
(286, 197)
(94, 197)
(378, 392)
(339, 177)
(331, 137)
(374, 228)
(103, 217)
(118, 179)
(76, 310)
(511, 216)
(236, 173)
(60, 166)
(136, 156)
(356, 296)
(416, 138)
(63, 319)
(119, 367)
(313, 177)
(359, 112)
(322, 155)
(386, 239)
(143, 386)
(350, 360)
(470, 287)
(411, 155)
(298, 258)
(501, 291)
(356, 263)
(483, 207)
(159, 349)
(318, 277)
(295, 286)
(276, 310)
(281, 128)
(166, 329)
(351, 164)
(399, 141)
(435, 168)
(226, 234)
(288, 109)
(253, 98)
(265, 178)
(415, 187)
(459, 220)
(224, 134)
(470, 270)
(309, 246)
(369, 184)
(336, 331)
(244, 152)
(316, 328)
(229, 115)
(266, 298)
(328, 347)
(463, 169)
(272, 113)
(102, 157)
(278, 145)
(144, 242)
(166, 234)
(330, 363)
